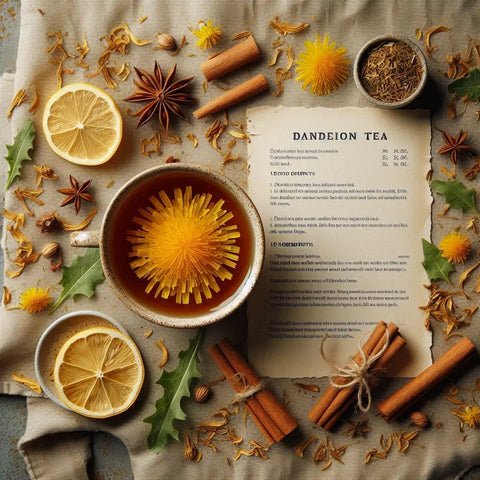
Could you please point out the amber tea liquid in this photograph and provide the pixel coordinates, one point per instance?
(120, 247)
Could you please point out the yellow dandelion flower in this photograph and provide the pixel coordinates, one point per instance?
(207, 34)
(455, 247)
(470, 416)
(184, 245)
(35, 300)
(322, 65)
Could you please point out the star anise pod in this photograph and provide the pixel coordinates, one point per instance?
(76, 194)
(455, 145)
(164, 95)
(357, 429)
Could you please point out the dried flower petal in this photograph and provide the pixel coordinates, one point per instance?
(307, 386)
(164, 350)
(151, 145)
(432, 31)
(44, 173)
(193, 139)
(24, 193)
(17, 100)
(285, 28)
(300, 449)
(69, 227)
(31, 384)
(82, 51)
(7, 296)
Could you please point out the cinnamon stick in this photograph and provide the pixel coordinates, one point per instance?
(225, 62)
(237, 94)
(271, 416)
(406, 396)
(344, 395)
(395, 345)
(326, 399)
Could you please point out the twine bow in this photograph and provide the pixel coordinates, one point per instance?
(248, 390)
(358, 374)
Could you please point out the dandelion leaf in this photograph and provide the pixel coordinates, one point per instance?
(81, 277)
(436, 266)
(17, 153)
(467, 86)
(456, 194)
(176, 386)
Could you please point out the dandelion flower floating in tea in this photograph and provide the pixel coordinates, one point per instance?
(322, 65)
(184, 245)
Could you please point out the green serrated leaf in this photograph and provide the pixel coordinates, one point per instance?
(18, 152)
(467, 86)
(81, 277)
(456, 194)
(436, 266)
(176, 386)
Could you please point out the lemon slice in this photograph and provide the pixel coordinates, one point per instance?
(98, 372)
(82, 124)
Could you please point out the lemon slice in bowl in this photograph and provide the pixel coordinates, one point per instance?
(98, 372)
(82, 124)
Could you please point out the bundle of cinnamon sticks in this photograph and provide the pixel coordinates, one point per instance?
(335, 401)
(271, 416)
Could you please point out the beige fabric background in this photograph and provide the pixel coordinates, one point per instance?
(437, 453)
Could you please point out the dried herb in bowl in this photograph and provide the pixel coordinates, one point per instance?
(390, 71)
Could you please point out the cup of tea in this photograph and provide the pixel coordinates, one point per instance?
(181, 245)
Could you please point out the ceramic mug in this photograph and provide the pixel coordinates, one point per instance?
(116, 256)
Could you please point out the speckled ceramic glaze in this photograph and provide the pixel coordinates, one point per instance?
(372, 44)
(246, 286)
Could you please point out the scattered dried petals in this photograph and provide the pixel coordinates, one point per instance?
(7, 296)
(183, 42)
(242, 35)
(464, 276)
(164, 351)
(83, 51)
(31, 384)
(151, 145)
(190, 451)
(148, 333)
(429, 47)
(44, 173)
(300, 449)
(193, 139)
(69, 227)
(307, 386)
(24, 193)
(285, 28)
(134, 38)
(17, 100)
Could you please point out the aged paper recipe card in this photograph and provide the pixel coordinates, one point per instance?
(344, 201)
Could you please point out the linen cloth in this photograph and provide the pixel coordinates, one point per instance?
(53, 433)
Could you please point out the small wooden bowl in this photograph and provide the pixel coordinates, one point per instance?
(375, 42)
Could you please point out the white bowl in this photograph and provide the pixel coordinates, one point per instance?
(56, 335)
